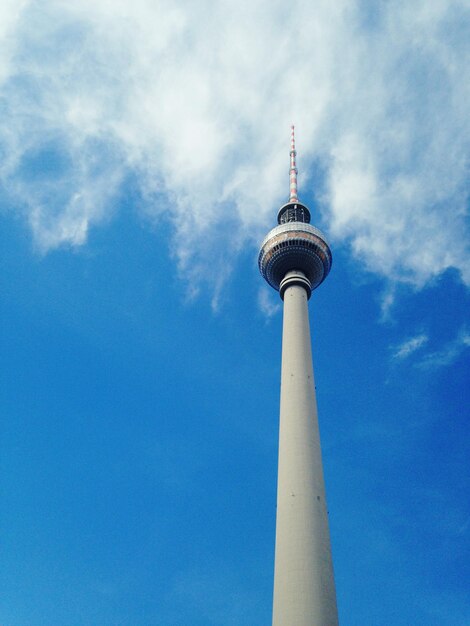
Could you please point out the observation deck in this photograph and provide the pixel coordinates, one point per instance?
(295, 246)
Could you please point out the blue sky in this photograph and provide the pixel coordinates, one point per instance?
(144, 155)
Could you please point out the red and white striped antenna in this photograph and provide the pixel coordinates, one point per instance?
(293, 168)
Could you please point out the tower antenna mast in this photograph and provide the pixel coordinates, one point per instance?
(293, 168)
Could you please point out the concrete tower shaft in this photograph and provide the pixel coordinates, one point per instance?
(304, 590)
(294, 259)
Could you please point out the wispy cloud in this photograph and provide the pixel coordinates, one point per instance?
(410, 346)
(449, 353)
(387, 301)
(194, 100)
(268, 302)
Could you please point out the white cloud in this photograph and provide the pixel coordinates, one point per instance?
(387, 300)
(268, 302)
(194, 101)
(408, 347)
(449, 353)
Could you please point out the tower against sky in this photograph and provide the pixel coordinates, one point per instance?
(294, 259)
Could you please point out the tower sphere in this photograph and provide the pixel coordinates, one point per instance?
(294, 246)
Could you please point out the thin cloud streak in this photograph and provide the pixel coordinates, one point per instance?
(267, 304)
(410, 346)
(194, 103)
(449, 353)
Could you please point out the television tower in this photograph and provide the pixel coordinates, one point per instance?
(294, 259)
